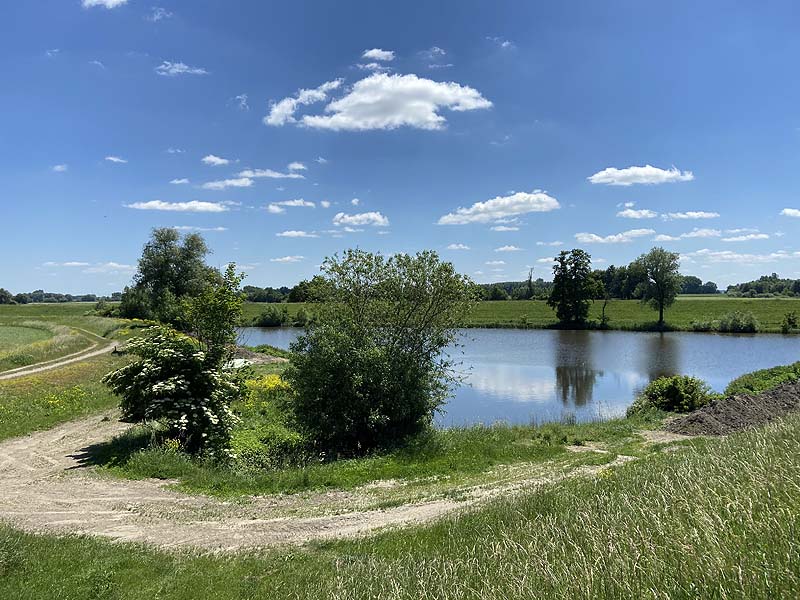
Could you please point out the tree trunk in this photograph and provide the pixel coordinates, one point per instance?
(661, 315)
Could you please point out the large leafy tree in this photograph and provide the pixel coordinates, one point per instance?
(574, 287)
(372, 368)
(170, 269)
(663, 281)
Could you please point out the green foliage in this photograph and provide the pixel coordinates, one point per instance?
(272, 316)
(763, 380)
(174, 381)
(498, 293)
(369, 371)
(212, 315)
(170, 270)
(272, 351)
(573, 286)
(738, 321)
(6, 297)
(679, 393)
(662, 282)
(790, 322)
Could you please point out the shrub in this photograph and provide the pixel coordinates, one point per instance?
(763, 380)
(790, 322)
(175, 382)
(679, 393)
(704, 325)
(738, 321)
(302, 318)
(271, 351)
(370, 369)
(272, 317)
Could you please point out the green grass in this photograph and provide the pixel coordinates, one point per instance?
(763, 380)
(31, 342)
(623, 314)
(696, 523)
(45, 399)
(14, 336)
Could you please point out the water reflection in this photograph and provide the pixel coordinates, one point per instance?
(522, 376)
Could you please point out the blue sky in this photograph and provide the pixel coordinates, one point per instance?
(496, 133)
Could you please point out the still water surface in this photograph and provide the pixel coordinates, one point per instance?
(523, 376)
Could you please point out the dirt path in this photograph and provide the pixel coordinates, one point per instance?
(89, 352)
(45, 486)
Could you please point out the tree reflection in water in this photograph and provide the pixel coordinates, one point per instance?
(574, 366)
(660, 355)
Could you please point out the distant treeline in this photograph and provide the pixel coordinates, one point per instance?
(7, 297)
(618, 283)
(766, 286)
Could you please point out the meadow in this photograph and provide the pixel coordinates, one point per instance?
(622, 314)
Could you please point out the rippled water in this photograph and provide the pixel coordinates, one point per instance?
(520, 376)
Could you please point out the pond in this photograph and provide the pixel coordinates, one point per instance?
(525, 376)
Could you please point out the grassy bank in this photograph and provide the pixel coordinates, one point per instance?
(623, 314)
(26, 342)
(697, 522)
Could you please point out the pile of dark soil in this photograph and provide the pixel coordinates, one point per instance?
(729, 415)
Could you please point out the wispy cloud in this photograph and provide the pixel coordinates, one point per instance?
(287, 259)
(293, 233)
(458, 247)
(172, 69)
(501, 42)
(195, 228)
(692, 214)
(158, 14)
(378, 54)
(505, 228)
(748, 237)
(215, 161)
(116, 159)
(508, 249)
(97, 63)
(296, 166)
(557, 243)
(59, 168)
(269, 173)
(632, 213)
(376, 219)
(223, 184)
(282, 112)
(180, 181)
(617, 238)
(103, 3)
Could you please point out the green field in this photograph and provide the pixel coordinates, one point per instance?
(623, 314)
(15, 336)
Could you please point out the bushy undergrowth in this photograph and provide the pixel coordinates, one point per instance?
(272, 351)
(274, 316)
(679, 393)
(739, 321)
(763, 380)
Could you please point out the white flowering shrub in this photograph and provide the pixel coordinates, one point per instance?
(174, 381)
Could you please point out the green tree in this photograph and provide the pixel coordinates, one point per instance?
(213, 314)
(371, 367)
(663, 281)
(170, 269)
(498, 293)
(574, 287)
(6, 297)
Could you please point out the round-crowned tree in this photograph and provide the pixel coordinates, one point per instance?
(372, 368)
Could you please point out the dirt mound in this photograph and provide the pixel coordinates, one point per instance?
(729, 415)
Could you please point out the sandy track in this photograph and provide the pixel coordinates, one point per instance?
(45, 486)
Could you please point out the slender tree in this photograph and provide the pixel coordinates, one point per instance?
(663, 281)
(573, 286)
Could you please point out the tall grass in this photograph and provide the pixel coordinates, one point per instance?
(61, 341)
(719, 519)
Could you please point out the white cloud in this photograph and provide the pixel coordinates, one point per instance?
(508, 249)
(297, 202)
(226, 183)
(157, 14)
(618, 238)
(458, 247)
(378, 54)
(440, 65)
(296, 166)
(193, 228)
(275, 209)
(103, 3)
(287, 259)
(729, 256)
(192, 206)
(282, 112)
(742, 230)
(321, 160)
(110, 267)
(557, 243)
(240, 102)
(52, 53)
(71, 263)
(180, 181)
(269, 173)
(502, 207)
(495, 262)
(355, 201)
(747, 237)
(505, 228)
(665, 238)
(702, 233)
(217, 161)
(632, 213)
(791, 212)
(175, 151)
(172, 69)
(59, 168)
(383, 101)
(647, 175)
(325, 204)
(375, 219)
(292, 233)
(97, 63)
(546, 259)
(692, 214)
(352, 230)
(374, 67)
(501, 42)
(116, 159)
